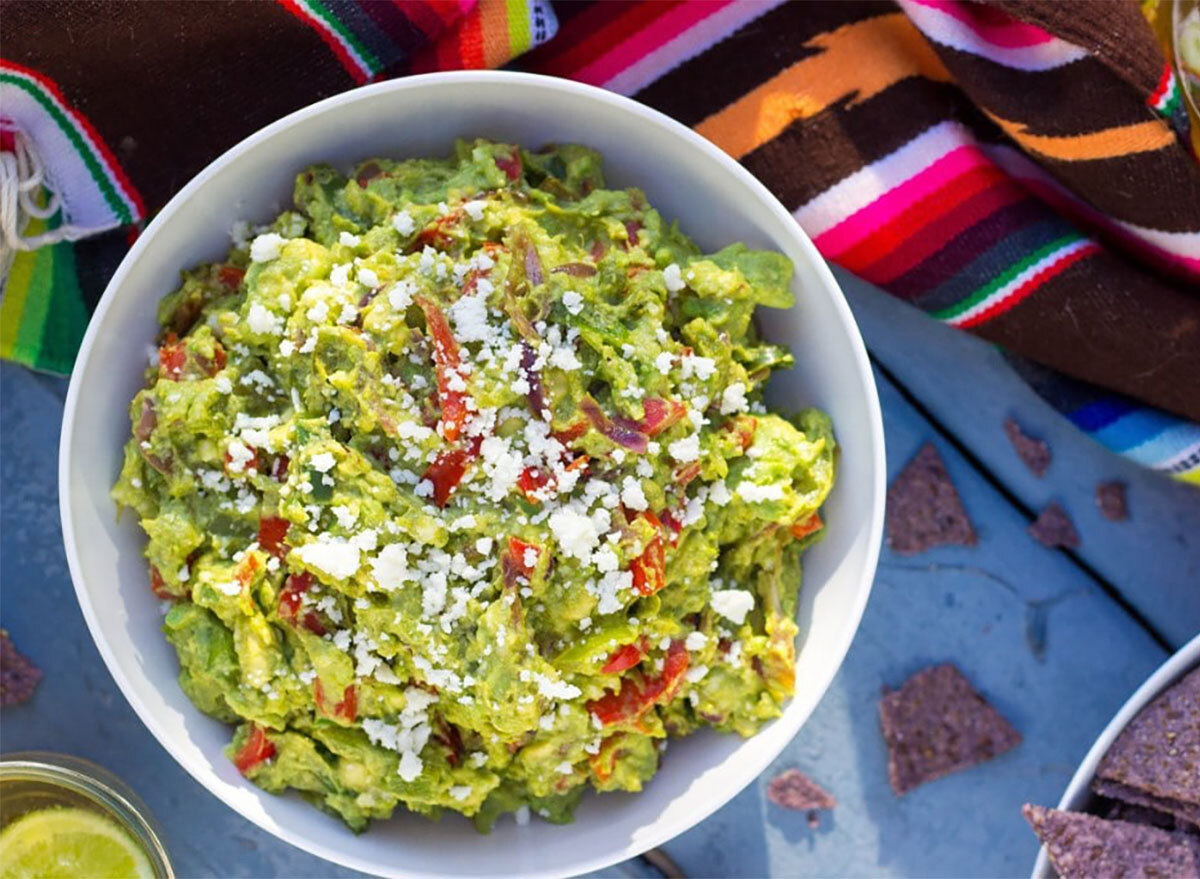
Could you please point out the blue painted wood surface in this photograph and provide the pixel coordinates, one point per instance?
(1038, 634)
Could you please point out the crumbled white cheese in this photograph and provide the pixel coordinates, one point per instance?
(632, 495)
(754, 493)
(460, 791)
(686, 449)
(471, 319)
(266, 247)
(695, 641)
(367, 277)
(239, 456)
(572, 301)
(349, 239)
(322, 462)
(474, 208)
(733, 399)
(564, 768)
(700, 367)
(400, 294)
(733, 604)
(673, 278)
(576, 533)
(261, 320)
(337, 558)
(663, 362)
(403, 223)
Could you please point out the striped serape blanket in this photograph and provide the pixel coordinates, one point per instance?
(1023, 170)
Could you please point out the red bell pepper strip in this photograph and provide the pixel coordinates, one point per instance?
(346, 710)
(171, 358)
(743, 427)
(622, 658)
(159, 586)
(660, 415)
(289, 603)
(510, 165)
(255, 750)
(447, 360)
(448, 469)
(634, 699)
(531, 481)
(807, 526)
(272, 530)
(650, 568)
(230, 276)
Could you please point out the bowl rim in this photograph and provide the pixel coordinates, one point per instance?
(201, 770)
(1078, 789)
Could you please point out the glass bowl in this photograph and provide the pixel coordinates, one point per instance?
(31, 781)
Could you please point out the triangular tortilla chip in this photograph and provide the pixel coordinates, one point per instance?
(923, 508)
(1157, 756)
(937, 724)
(1085, 847)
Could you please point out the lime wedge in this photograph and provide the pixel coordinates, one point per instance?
(66, 842)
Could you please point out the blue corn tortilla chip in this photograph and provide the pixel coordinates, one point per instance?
(1033, 452)
(1110, 498)
(18, 675)
(1155, 761)
(795, 790)
(1053, 527)
(937, 724)
(1085, 846)
(923, 508)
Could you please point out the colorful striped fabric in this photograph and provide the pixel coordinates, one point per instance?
(1019, 169)
(961, 157)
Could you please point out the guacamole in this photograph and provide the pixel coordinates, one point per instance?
(461, 493)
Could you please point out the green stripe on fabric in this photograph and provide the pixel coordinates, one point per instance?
(1004, 278)
(12, 304)
(95, 168)
(519, 37)
(67, 316)
(329, 17)
(37, 306)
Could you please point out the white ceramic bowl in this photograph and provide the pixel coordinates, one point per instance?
(1078, 796)
(685, 177)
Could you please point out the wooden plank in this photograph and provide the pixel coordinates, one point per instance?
(1051, 650)
(1153, 559)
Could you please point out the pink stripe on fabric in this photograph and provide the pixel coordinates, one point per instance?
(1010, 34)
(662, 30)
(898, 199)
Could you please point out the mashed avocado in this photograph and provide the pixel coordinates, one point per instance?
(459, 484)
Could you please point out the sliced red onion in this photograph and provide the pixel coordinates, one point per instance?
(621, 434)
(533, 265)
(537, 394)
(147, 420)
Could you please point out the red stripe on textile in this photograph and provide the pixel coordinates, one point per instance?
(1164, 83)
(97, 141)
(1029, 287)
(939, 234)
(913, 221)
(470, 42)
(424, 16)
(322, 30)
(620, 19)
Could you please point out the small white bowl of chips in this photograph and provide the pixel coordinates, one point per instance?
(1133, 806)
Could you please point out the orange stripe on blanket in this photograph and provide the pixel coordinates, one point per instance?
(1121, 140)
(860, 59)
